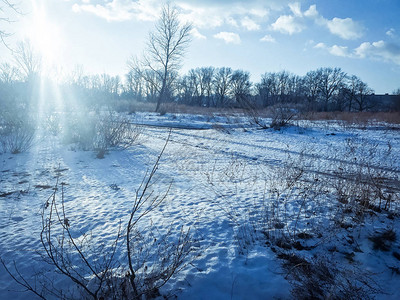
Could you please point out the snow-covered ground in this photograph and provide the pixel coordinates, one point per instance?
(233, 185)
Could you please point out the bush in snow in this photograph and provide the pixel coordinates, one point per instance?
(100, 132)
(365, 184)
(112, 131)
(281, 115)
(16, 132)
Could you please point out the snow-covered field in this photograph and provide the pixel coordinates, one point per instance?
(260, 204)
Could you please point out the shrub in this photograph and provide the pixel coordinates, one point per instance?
(16, 132)
(281, 116)
(321, 278)
(112, 130)
(100, 132)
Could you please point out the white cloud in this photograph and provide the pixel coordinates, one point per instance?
(295, 23)
(311, 12)
(203, 14)
(320, 46)
(345, 28)
(228, 37)
(335, 50)
(231, 21)
(287, 24)
(391, 32)
(121, 10)
(379, 50)
(196, 34)
(259, 12)
(268, 38)
(214, 14)
(296, 9)
(108, 13)
(249, 24)
(339, 51)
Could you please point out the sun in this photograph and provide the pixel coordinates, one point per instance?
(46, 37)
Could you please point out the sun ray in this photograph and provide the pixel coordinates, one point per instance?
(46, 36)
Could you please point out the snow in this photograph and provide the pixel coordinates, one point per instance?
(220, 168)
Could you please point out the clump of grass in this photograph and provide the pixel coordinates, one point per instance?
(383, 240)
(322, 278)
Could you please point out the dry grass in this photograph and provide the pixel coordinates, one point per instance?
(133, 106)
(361, 118)
(205, 111)
(175, 108)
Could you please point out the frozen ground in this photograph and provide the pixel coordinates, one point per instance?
(226, 176)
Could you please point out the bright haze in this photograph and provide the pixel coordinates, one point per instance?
(361, 37)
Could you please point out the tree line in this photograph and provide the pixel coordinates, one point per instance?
(155, 78)
(324, 89)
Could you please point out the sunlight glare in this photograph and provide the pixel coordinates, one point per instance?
(46, 38)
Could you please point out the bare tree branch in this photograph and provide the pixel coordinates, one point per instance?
(140, 200)
(21, 279)
(165, 49)
(5, 7)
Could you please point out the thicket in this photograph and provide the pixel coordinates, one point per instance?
(324, 89)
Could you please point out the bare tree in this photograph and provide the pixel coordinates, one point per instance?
(186, 89)
(267, 89)
(152, 84)
(203, 78)
(312, 83)
(331, 82)
(207, 75)
(8, 73)
(283, 85)
(195, 80)
(355, 94)
(222, 85)
(241, 86)
(166, 48)
(362, 93)
(134, 84)
(110, 84)
(27, 59)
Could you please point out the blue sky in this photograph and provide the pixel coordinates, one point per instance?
(360, 36)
